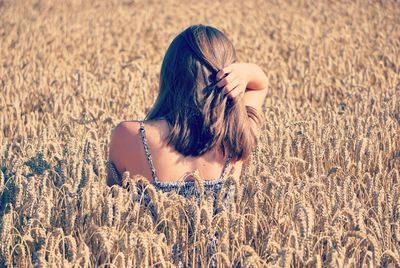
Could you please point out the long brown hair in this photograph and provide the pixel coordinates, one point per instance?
(199, 115)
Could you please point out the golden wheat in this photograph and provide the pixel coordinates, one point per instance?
(322, 188)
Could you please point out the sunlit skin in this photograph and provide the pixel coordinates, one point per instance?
(245, 81)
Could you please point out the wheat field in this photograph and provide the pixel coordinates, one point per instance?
(323, 186)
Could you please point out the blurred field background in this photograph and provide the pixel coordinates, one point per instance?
(323, 188)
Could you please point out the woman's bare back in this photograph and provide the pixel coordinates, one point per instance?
(169, 165)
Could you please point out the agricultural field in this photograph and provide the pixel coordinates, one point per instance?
(323, 185)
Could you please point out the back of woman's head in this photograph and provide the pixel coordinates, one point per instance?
(199, 115)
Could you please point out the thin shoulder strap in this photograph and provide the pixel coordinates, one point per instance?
(147, 151)
(227, 163)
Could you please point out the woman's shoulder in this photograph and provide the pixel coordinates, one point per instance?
(154, 129)
(124, 138)
(126, 128)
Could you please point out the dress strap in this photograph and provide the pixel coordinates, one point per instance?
(147, 151)
(227, 163)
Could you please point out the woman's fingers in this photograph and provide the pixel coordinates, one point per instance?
(236, 92)
(220, 74)
(231, 93)
(231, 86)
(230, 81)
(226, 80)
(226, 70)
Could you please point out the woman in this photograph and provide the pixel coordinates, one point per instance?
(205, 118)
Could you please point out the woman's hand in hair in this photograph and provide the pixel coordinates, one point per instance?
(233, 79)
(236, 78)
(244, 79)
